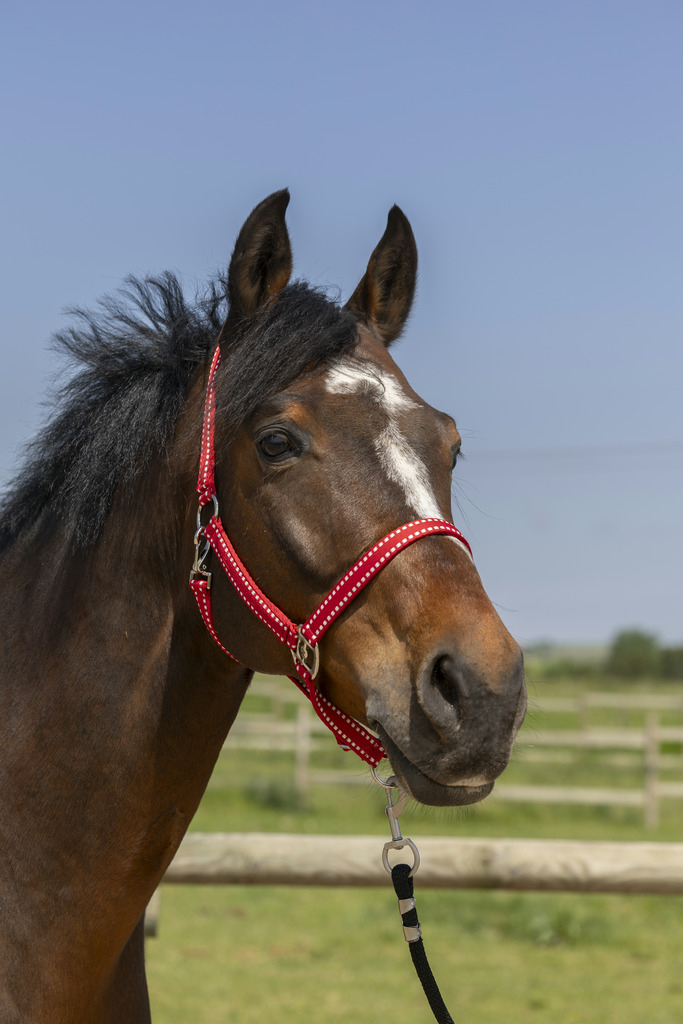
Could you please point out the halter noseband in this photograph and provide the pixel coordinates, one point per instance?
(302, 640)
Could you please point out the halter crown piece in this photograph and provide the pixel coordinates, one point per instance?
(302, 639)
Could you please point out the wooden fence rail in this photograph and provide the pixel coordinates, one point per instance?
(446, 863)
(637, 747)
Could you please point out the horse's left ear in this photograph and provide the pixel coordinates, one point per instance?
(385, 294)
(262, 258)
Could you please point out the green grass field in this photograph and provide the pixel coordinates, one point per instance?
(248, 954)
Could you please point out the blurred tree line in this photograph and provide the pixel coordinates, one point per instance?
(634, 654)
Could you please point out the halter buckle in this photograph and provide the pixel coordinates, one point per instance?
(202, 545)
(201, 550)
(304, 651)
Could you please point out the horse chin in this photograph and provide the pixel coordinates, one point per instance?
(425, 789)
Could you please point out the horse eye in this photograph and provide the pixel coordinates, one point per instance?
(274, 446)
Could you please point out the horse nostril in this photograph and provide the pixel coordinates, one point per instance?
(445, 679)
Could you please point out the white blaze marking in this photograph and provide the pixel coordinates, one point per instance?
(401, 464)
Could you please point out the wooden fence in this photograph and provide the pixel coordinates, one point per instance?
(537, 865)
(647, 742)
(639, 747)
(514, 864)
(446, 863)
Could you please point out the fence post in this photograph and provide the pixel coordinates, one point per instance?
(303, 749)
(651, 794)
(277, 702)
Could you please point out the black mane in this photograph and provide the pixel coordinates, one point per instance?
(135, 355)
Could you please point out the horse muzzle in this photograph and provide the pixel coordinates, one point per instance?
(457, 736)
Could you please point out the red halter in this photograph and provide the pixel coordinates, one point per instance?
(303, 639)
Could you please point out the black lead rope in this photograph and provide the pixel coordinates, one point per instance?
(401, 876)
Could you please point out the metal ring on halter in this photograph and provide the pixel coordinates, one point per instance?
(201, 509)
(398, 844)
(391, 782)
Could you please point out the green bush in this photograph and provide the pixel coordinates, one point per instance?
(671, 663)
(566, 668)
(633, 654)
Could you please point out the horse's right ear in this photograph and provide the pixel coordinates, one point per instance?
(385, 294)
(262, 259)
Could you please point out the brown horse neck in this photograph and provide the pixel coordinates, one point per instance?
(115, 704)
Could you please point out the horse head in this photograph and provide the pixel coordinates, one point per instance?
(335, 451)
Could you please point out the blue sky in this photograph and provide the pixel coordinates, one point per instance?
(536, 148)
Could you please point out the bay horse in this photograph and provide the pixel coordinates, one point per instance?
(115, 699)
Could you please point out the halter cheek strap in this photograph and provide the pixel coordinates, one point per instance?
(302, 640)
